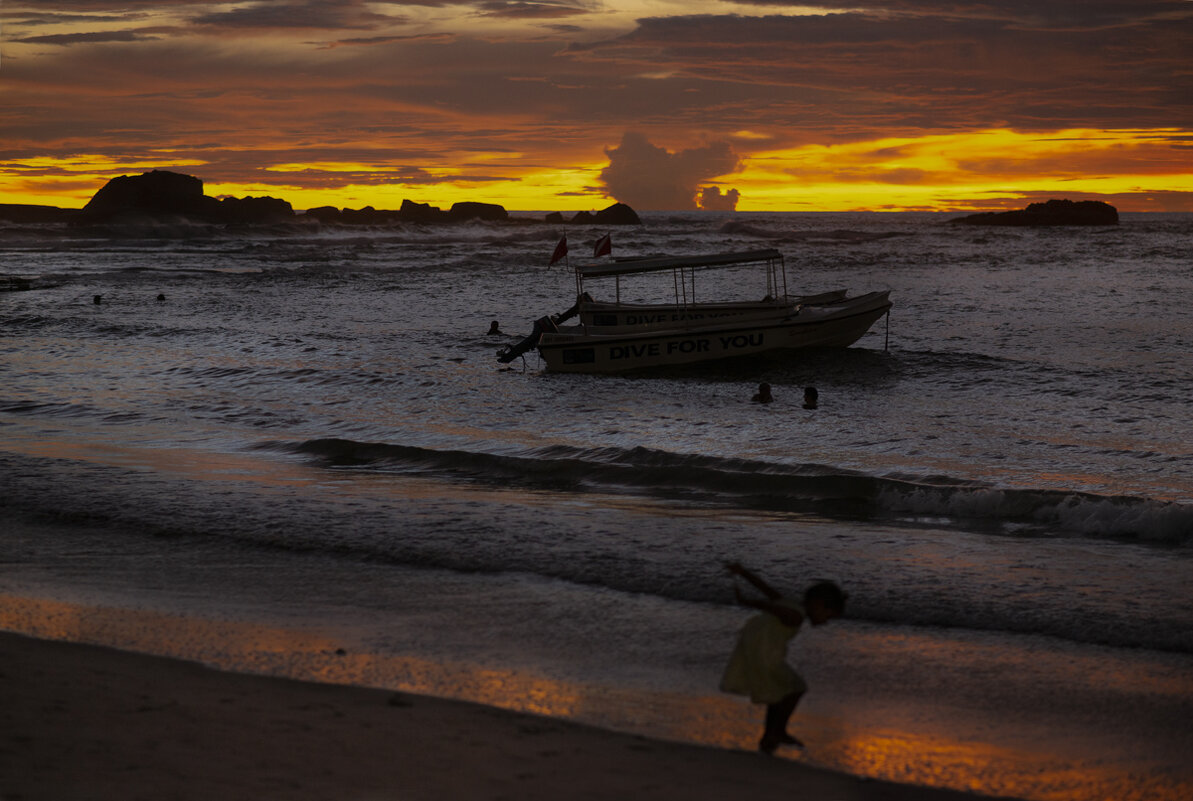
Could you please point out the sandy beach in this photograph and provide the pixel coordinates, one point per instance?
(84, 722)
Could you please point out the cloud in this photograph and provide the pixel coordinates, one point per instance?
(320, 14)
(855, 75)
(64, 39)
(545, 90)
(711, 199)
(1040, 13)
(525, 10)
(648, 177)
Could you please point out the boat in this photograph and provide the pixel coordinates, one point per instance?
(613, 336)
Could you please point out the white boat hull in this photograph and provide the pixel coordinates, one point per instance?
(577, 349)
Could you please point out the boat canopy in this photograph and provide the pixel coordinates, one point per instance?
(659, 263)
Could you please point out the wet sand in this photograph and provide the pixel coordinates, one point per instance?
(85, 722)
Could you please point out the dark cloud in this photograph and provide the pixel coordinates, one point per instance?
(64, 39)
(338, 82)
(321, 14)
(525, 10)
(711, 199)
(856, 74)
(1033, 13)
(313, 177)
(651, 178)
(49, 18)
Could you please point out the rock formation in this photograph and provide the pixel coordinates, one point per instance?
(1054, 212)
(470, 210)
(162, 197)
(617, 214)
(162, 194)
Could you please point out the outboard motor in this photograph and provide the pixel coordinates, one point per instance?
(511, 352)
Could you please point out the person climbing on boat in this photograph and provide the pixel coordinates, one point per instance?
(758, 666)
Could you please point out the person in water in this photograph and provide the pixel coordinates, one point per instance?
(493, 329)
(758, 665)
(811, 397)
(763, 395)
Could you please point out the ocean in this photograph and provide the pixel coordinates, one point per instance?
(291, 450)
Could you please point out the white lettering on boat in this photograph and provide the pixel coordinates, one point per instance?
(688, 346)
(633, 351)
(684, 346)
(741, 341)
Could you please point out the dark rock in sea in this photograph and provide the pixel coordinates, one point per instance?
(410, 212)
(324, 214)
(420, 212)
(469, 210)
(32, 215)
(617, 214)
(369, 216)
(164, 195)
(255, 210)
(554, 218)
(151, 195)
(1054, 212)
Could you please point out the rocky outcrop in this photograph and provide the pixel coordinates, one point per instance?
(164, 195)
(254, 210)
(1054, 212)
(420, 212)
(617, 214)
(369, 216)
(153, 194)
(30, 214)
(171, 200)
(411, 212)
(324, 214)
(469, 210)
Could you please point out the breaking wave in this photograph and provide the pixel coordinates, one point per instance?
(769, 487)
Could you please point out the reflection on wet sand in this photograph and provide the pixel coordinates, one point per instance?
(713, 719)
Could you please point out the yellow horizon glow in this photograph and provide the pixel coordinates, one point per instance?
(941, 172)
(847, 177)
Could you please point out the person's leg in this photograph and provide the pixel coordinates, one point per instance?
(777, 715)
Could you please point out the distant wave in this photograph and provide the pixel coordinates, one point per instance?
(828, 237)
(767, 486)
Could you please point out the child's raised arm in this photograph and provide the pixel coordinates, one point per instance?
(737, 569)
(789, 617)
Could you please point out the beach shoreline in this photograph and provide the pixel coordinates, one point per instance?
(90, 722)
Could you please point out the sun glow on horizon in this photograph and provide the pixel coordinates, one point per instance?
(940, 172)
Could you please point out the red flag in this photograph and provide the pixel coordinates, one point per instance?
(603, 246)
(561, 250)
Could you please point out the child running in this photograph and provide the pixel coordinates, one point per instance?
(758, 666)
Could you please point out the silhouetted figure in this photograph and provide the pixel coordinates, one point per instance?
(97, 299)
(811, 397)
(763, 395)
(758, 666)
(160, 296)
(494, 330)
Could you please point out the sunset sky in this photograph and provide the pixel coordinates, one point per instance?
(569, 105)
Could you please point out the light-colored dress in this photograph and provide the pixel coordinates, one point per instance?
(758, 666)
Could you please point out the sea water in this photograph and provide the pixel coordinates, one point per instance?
(292, 451)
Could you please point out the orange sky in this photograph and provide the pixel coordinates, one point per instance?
(662, 104)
